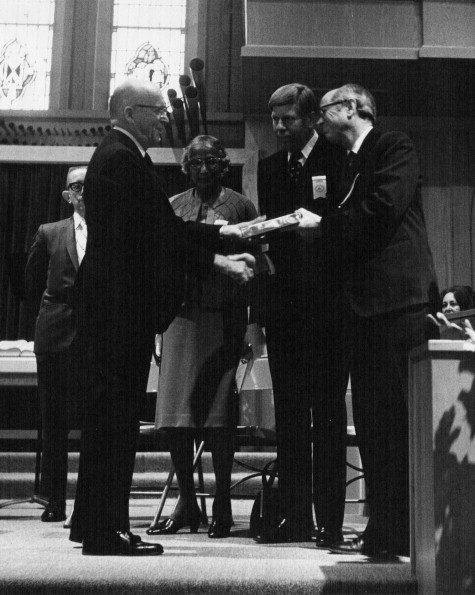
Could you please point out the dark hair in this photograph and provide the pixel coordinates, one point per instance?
(206, 140)
(295, 93)
(463, 294)
(365, 104)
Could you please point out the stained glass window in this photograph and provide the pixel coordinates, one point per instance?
(26, 41)
(148, 41)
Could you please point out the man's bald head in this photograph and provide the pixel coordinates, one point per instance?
(139, 107)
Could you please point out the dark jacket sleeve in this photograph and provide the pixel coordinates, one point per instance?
(36, 270)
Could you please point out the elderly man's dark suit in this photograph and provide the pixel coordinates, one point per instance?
(309, 374)
(377, 245)
(50, 273)
(129, 288)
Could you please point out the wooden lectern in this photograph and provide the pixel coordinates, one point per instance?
(442, 449)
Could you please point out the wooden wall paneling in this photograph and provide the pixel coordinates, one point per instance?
(61, 55)
(101, 56)
(438, 215)
(333, 24)
(448, 29)
(224, 37)
(91, 54)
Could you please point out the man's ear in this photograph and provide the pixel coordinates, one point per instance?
(65, 195)
(128, 111)
(351, 108)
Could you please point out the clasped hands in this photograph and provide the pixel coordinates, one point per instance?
(240, 267)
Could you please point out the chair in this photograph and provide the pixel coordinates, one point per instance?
(256, 428)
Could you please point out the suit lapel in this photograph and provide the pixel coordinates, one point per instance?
(71, 242)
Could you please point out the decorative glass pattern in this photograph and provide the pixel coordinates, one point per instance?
(148, 41)
(26, 42)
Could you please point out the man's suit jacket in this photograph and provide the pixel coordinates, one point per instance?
(50, 273)
(376, 242)
(297, 262)
(131, 278)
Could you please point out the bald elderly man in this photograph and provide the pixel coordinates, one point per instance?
(129, 288)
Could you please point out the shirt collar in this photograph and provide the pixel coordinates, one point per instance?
(308, 147)
(78, 220)
(132, 138)
(359, 141)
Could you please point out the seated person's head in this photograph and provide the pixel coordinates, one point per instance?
(457, 298)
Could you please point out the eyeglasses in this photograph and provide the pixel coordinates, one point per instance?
(322, 109)
(157, 111)
(76, 186)
(211, 163)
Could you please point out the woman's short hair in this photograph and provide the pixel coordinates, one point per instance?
(205, 140)
(295, 94)
(463, 294)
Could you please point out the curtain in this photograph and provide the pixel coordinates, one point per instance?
(30, 195)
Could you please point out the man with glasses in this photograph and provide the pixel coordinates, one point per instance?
(309, 375)
(129, 288)
(375, 238)
(53, 261)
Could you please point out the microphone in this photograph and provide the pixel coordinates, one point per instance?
(197, 72)
(179, 118)
(193, 110)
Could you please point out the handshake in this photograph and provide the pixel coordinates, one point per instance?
(240, 267)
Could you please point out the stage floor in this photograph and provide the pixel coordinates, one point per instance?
(38, 558)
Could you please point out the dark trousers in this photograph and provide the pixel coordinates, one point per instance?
(58, 405)
(379, 369)
(309, 370)
(112, 389)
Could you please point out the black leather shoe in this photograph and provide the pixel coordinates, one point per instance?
(53, 514)
(362, 546)
(120, 545)
(171, 526)
(218, 529)
(325, 538)
(285, 532)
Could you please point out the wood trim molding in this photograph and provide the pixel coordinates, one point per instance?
(307, 51)
(82, 155)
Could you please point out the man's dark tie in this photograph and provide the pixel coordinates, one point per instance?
(295, 166)
(348, 172)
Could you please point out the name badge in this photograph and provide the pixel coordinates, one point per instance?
(319, 184)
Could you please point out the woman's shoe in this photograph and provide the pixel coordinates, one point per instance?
(171, 526)
(218, 529)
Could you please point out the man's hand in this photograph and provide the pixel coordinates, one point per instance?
(308, 224)
(240, 267)
(235, 231)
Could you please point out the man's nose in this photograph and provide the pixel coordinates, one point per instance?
(279, 125)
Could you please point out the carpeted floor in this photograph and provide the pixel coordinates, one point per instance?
(37, 558)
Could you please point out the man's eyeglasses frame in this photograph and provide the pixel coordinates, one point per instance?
(160, 112)
(79, 186)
